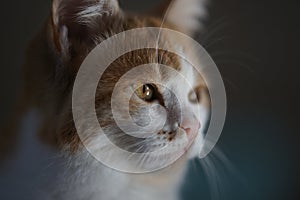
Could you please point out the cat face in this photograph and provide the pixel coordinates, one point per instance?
(167, 100)
(167, 106)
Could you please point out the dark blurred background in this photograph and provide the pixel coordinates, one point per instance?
(255, 45)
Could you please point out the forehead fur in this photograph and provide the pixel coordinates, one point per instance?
(81, 45)
(136, 58)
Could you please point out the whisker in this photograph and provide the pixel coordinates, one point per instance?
(160, 29)
(215, 41)
(231, 84)
(213, 180)
(212, 30)
(235, 63)
(235, 54)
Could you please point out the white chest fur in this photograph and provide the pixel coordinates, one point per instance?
(86, 178)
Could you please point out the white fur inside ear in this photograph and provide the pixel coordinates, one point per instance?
(187, 14)
(64, 42)
(103, 7)
(55, 11)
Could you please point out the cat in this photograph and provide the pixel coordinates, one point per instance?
(73, 29)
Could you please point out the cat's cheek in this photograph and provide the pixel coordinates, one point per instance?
(194, 150)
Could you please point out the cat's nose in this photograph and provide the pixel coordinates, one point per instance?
(190, 125)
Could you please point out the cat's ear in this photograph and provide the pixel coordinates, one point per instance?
(186, 15)
(77, 19)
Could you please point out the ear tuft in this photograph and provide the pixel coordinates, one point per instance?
(102, 8)
(83, 10)
(76, 19)
(64, 42)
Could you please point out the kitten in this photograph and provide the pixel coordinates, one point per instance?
(76, 27)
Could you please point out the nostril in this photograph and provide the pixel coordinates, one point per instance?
(190, 126)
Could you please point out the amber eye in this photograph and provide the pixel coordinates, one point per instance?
(193, 97)
(197, 94)
(146, 92)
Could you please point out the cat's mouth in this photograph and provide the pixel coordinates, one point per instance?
(184, 135)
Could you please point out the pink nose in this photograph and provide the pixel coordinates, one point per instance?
(190, 125)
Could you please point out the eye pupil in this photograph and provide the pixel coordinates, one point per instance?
(146, 92)
(149, 90)
(144, 88)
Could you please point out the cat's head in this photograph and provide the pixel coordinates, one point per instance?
(170, 107)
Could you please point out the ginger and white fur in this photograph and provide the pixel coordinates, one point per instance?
(82, 176)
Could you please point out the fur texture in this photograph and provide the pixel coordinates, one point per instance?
(72, 31)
